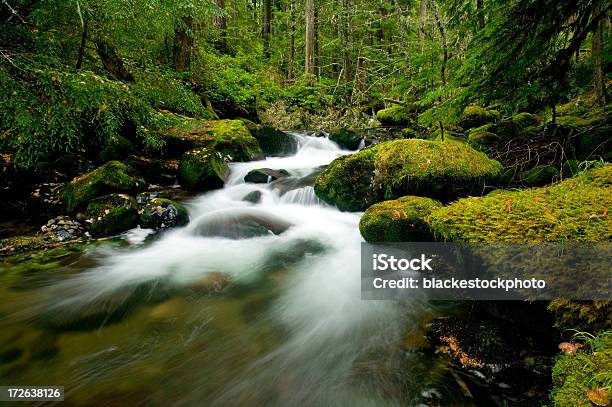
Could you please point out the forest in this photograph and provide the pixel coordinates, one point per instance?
(178, 177)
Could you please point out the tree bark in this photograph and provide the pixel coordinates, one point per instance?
(266, 31)
(599, 83)
(361, 81)
(422, 20)
(443, 40)
(317, 55)
(291, 69)
(81, 53)
(183, 43)
(309, 64)
(220, 23)
(112, 61)
(480, 12)
(345, 27)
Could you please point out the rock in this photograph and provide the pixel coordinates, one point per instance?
(441, 170)
(400, 220)
(111, 214)
(202, 169)
(396, 115)
(347, 182)
(476, 116)
(231, 138)
(161, 213)
(513, 127)
(265, 175)
(62, 228)
(482, 138)
(118, 149)
(284, 185)
(168, 310)
(109, 178)
(273, 142)
(570, 168)
(590, 136)
(253, 197)
(241, 224)
(540, 175)
(144, 198)
(155, 170)
(346, 138)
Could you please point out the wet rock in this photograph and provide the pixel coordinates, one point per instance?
(253, 197)
(145, 197)
(265, 175)
(111, 214)
(168, 310)
(202, 169)
(273, 142)
(241, 224)
(346, 138)
(284, 185)
(62, 228)
(109, 178)
(161, 213)
(155, 170)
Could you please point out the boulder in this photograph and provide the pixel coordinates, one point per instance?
(347, 181)
(476, 116)
(346, 138)
(265, 175)
(441, 170)
(62, 228)
(111, 214)
(118, 149)
(161, 213)
(231, 138)
(253, 197)
(540, 175)
(273, 142)
(400, 220)
(482, 138)
(111, 177)
(396, 115)
(202, 169)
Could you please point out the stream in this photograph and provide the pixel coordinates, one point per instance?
(252, 304)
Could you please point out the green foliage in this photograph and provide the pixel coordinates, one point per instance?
(579, 378)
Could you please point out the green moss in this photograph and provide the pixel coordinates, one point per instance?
(577, 377)
(117, 149)
(400, 220)
(396, 115)
(347, 181)
(540, 175)
(231, 138)
(202, 169)
(346, 138)
(525, 120)
(592, 316)
(475, 116)
(483, 138)
(442, 170)
(111, 214)
(111, 177)
(572, 210)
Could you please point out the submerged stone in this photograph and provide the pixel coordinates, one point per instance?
(265, 175)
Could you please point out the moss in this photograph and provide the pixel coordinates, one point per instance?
(273, 142)
(583, 377)
(400, 220)
(396, 115)
(475, 116)
(573, 210)
(590, 135)
(202, 169)
(483, 138)
(111, 214)
(117, 149)
(441, 170)
(540, 175)
(111, 177)
(346, 138)
(347, 181)
(231, 138)
(525, 120)
(592, 316)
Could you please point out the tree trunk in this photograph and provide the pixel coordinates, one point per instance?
(183, 43)
(443, 40)
(291, 70)
(599, 83)
(480, 12)
(317, 56)
(220, 23)
(345, 27)
(361, 81)
(422, 21)
(112, 61)
(267, 17)
(81, 53)
(309, 63)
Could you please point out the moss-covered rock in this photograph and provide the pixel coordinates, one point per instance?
(442, 170)
(476, 116)
(435, 169)
(540, 175)
(525, 120)
(346, 138)
(573, 210)
(348, 181)
(111, 177)
(161, 213)
(482, 138)
(512, 127)
(399, 220)
(117, 149)
(582, 376)
(273, 142)
(202, 169)
(111, 214)
(396, 115)
(590, 135)
(231, 138)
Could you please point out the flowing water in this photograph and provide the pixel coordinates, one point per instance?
(252, 304)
